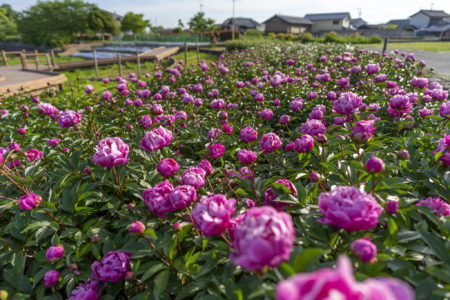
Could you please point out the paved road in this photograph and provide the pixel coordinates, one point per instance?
(14, 74)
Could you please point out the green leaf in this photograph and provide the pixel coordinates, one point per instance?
(160, 283)
(306, 259)
(436, 245)
(153, 270)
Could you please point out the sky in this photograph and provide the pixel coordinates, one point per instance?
(167, 12)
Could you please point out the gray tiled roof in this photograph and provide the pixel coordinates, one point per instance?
(438, 28)
(245, 22)
(291, 20)
(328, 16)
(433, 13)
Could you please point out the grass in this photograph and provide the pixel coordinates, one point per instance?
(425, 46)
(15, 60)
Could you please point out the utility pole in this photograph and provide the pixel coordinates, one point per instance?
(233, 22)
(201, 6)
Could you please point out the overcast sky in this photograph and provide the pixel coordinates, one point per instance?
(167, 12)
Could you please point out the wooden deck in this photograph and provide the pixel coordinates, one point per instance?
(155, 54)
(16, 79)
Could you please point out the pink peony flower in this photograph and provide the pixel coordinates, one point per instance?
(217, 104)
(364, 249)
(269, 142)
(399, 105)
(313, 127)
(363, 131)
(88, 89)
(156, 138)
(304, 144)
(85, 291)
(182, 196)
(270, 196)
(33, 155)
(51, 278)
(167, 167)
(246, 156)
(112, 267)
(266, 114)
(69, 118)
(137, 227)
(194, 176)
(372, 68)
(347, 103)
(53, 142)
(206, 165)
(111, 152)
(348, 208)
(156, 201)
(145, 121)
(54, 253)
(375, 165)
(444, 110)
(284, 119)
(213, 213)
(47, 109)
(419, 82)
(248, 134)
(29, 201)
(216, 150)
(439, 207)
(264, 237)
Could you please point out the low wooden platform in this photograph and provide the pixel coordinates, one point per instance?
(155, 54)
(17, 80)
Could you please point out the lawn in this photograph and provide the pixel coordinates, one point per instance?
(425, 46)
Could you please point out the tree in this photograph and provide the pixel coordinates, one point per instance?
(134, 22)
(201, 24)
(54, 22)
(7, 24)
(102, 21)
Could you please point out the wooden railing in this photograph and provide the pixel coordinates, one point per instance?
(51, 62)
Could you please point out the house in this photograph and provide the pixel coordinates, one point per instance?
(356, 23)
(287, 24)
(329, 21)
(426, 18)
(401, 23)
(441, 31)
(241, 24)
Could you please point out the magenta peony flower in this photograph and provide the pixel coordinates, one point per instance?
(444, 110)
(270, 196)
(111, 152)
(304, 144)
(213, 213)
(348, 208)
(85, 291)
(156, 138)
(364, 249)
(167, 167)
(266, 114)
(313, 127)
(399, 105)
(47, 109)
(340, 283)
(363, 131)
(284, 119)
(246, 156)
(419, 82)
(372, 68)
(194, 177)
(270, 142)
(29, 201)
(182, 196)
(51, 278)
(112, 267)
(425, 112)
(69, 118)
(216, 150)
(53, 142)
(439, 207)
(248, 134)
(296, 104)
(21, 131)
(33, 155)
(88, 89)
(403, 154)
(264, 237)
(137, 227)
(391, 207)
(375, 165)
(156, 201)
(145, 121)
(206, 165)
(217, 104)
(347, 103)
(54, 253)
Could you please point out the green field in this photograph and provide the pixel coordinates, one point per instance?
(425, 46)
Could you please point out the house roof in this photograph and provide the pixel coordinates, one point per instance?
(400, 22)
(291, 20)
(238, 21)
(327, 16)
(432, 13)
(438, 28)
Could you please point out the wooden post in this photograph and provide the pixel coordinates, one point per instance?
(36, 59)
(185, 53)
(95, 62)
(52, 55)
(5, 59)
(119, 62)
(385, 44)
(50, 68)
(23, 59)
(138, 62)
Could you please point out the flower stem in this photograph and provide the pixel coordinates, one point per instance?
(192, 220)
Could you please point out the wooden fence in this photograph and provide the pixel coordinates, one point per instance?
(50, 57)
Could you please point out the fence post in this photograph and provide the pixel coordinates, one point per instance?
(52, 55)
(386, 39)
(185, 53)
(50, 68)
(138, 62)
(5, 60)
(196, 47)
(95, 62)
(119, 63)
(36, 59)
(23, 59)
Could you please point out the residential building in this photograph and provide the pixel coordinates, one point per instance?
(329, 21)
(356, 23)
(287, 24)
(426, 18)
(401, 23)
(241, 24)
